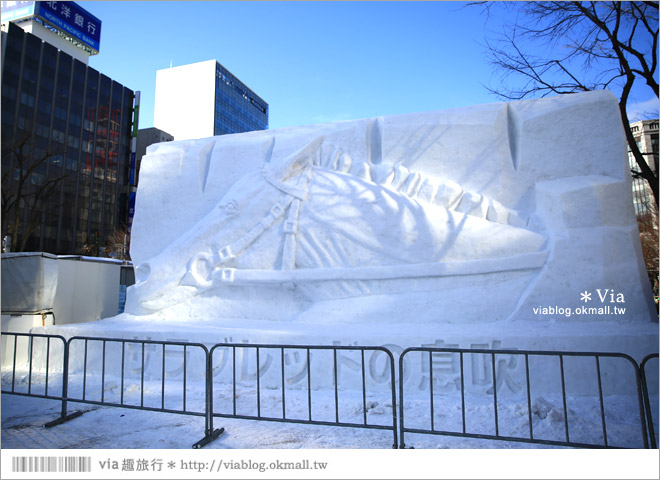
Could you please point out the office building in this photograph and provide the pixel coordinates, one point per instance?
(646, 137)
(203, 100)
(65, 25)
(66, 133)
(146, 137)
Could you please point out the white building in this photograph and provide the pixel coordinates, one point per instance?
(185, 100)
(203, 100)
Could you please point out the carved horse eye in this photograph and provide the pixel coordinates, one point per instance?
(231, 208)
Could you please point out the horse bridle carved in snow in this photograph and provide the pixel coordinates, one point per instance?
(291, 200)
(293, 196)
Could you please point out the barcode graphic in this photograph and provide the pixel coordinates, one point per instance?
(51, 464)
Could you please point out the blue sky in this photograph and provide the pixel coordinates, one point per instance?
(313, 62)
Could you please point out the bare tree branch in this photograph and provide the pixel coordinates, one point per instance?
(590, 45)
(27, 191)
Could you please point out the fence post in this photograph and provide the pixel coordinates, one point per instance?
(65, 391)
(209, 433)
(647, 399)
(640, 400)
(401, 377)
(394, 410)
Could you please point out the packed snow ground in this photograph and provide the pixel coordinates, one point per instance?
(349, 452)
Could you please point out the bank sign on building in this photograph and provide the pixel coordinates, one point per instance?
(65, 16)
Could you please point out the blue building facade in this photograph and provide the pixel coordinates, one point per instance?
(237, 108)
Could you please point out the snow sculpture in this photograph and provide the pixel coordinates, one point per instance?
(470, 215)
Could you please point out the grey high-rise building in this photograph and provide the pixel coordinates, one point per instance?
(145, 138)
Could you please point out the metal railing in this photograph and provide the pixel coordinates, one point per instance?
(647, 397)
(133, 359)
(50, 367)
(90, 367)
(306, 376)
(500, 368)
(302, 381)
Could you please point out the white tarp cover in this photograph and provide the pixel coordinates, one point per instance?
(29, 282)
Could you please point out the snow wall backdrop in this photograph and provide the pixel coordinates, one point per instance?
(507, 225)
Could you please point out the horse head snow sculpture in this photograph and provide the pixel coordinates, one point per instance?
(198, 260)
(483, 214)
(332, 226)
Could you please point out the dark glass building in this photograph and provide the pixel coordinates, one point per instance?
(66, 134)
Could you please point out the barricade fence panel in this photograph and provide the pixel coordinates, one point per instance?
(576, 399)
(310, 384)
(33, 365)
(316, 385)
(573, 399)
(144, 374)
(650, 379)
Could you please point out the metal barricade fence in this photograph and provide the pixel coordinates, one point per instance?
(647, 397)
(299, 386)
(178, 377)
(55, 347)
(97, 367)
(545, 372)
(136, 374)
